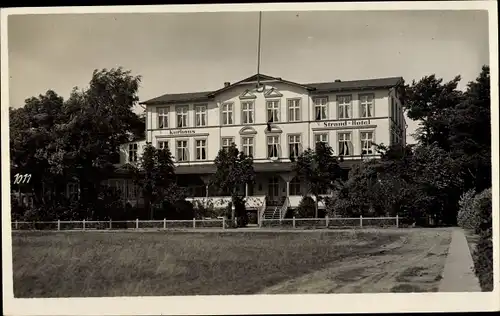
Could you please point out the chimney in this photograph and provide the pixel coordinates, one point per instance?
(338, 80)
(227, 84)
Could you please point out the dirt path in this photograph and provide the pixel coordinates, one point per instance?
(414, 263)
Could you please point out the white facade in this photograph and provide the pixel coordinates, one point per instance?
(194, 131)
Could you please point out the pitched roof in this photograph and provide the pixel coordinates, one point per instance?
(356, 84)
(322, 87)
(179, 98)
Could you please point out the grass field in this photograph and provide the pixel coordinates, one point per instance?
(76, 264)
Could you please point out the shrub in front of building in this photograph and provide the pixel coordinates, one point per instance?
(206, 210)
(240, 212)
(306, 208)
(179, 210)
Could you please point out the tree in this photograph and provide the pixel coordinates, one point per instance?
(429, 101)
(100, 119)
(470, 133)
(75, 140)
(306, 208)
(31, 136)
(233, 170)
(318, 169)
(155, 175)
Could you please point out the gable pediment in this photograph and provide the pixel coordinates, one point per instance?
(247, 130)
(247, 95)
(272, 93)
(257, 77)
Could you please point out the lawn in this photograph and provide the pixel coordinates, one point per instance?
(77, 264)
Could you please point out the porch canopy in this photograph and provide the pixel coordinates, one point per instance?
(258, 167)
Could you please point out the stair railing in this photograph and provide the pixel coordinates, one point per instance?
(284, 208)
(262, 211)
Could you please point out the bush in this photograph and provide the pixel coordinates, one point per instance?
(182, 210)
(202, 210)
(483, 254)
(483, 210)
(58, 208)
(466, 216)
(178, 210)
(17, 210)
(306, 208)
(240, 212)
(483, 261)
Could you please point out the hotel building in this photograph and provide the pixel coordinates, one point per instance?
(273, 120)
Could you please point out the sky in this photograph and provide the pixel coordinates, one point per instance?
(188, 52)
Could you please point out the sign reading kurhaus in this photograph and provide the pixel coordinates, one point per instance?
(182, 132)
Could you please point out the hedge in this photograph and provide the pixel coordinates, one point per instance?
(483, 254)
(483, 261)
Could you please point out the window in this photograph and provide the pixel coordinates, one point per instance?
(345, 144)
(272, 111)
(182, 116)
(295, 186)
(293, 146)
(320, 108)
(163, 144)
(294, 110)
(366, 143)
(72, 190)
(366, 105)
(344, 107)
(227, 142)
(201, 149)
(201, 115)
(321, 138)
(163, 117)
(227, 114)
(272, 146)
(248, 142)
(247, 108)
(182, 150)
(132, 153)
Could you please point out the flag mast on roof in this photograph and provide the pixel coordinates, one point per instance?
(259, 88)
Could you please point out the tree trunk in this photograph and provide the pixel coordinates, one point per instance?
(316, 207)
(233, 208)
(147, 206)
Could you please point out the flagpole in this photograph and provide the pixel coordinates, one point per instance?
(258, 53)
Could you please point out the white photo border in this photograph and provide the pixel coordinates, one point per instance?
(251, 304)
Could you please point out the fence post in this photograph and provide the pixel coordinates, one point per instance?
(194, 222)
(293, 221)
(397, 220)
(110, 225)
(223, 223)
(164, 223)
(58, 224)
(17, 225)
(136, 223)
(326, 217)
(83, 224)
(360, 220)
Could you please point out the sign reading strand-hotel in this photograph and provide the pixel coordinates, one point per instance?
(346, 123)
